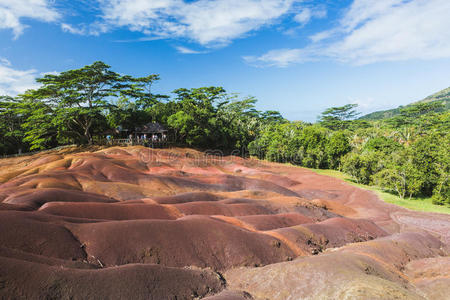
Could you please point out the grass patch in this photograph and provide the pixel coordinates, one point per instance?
(416, 203)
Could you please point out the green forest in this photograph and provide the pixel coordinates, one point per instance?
(405, 153)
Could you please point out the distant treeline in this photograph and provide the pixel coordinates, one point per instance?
(406, 154)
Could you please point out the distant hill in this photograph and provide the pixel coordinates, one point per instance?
(443, 96)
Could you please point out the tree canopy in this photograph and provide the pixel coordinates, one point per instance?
(336, 118)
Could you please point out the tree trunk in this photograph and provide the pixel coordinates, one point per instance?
(88, 136)
(87, 132)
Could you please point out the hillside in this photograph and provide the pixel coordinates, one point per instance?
(443, 96)
(140, 223)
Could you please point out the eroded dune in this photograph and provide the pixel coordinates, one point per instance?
(140, 223)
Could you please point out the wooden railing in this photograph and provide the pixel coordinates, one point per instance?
(132, 142)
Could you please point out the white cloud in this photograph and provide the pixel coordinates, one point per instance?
(363, 10)
(399, 30)
(13, 82)
(5, 62)
(383, 30)
(95, 28)
(185, 50)
(306, 14)
(71, 29)
(50, 73)
(323, 35)
(208, 22)
(12, 11)
(278, 58)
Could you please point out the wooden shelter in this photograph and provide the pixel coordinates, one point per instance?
(151, 134)
(151, 128)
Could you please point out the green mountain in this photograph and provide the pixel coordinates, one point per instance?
(443, 96)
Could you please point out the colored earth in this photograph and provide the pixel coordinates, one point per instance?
(140, 223)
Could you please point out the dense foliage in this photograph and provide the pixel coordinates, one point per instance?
(406, 154)
(81, 106)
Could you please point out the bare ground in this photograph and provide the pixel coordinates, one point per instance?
(123, 223)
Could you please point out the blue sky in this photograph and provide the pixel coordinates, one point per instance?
(298, 57)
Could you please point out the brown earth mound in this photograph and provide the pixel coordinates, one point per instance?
(110, 211)
(142, 223)
(225, 209)
(359, 271)
(23, 232)
(37, 197)
(26, 280)
(189, 241)
(268, 222)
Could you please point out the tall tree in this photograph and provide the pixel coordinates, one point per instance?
(140, 90)
(238, 120)
(79, 97)
(413, 115)
(195, 121)
(11, 132)
(336, 118)
(38, 124)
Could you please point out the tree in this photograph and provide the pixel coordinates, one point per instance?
(195, 121)
(441, 192)
(337, 146)
(424, 153)
(403, 179)
(312, 151)
(75, 105)
(293, 142)
(239, 121)
(338, 118)
(361, 166)
(272, 116)
(140, 90)
(413, 115)
(78, 97)
(382, 145)
(11, 131)
(38, 123)
(161, 111)
(268, 135)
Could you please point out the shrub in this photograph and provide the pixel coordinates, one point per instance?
(360, 166)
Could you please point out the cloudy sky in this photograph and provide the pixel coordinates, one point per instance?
(295, 56)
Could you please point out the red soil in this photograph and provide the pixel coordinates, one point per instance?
(37, 197)
(141, 223)
(22, 231)
(268, 222)
(190, 241)
(26, 280)
(109, 211)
